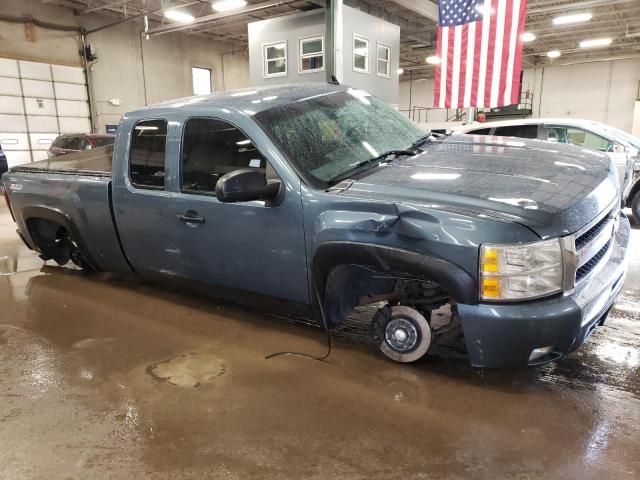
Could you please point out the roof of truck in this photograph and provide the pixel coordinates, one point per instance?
(249, 100)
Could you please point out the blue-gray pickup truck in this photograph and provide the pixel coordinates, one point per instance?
(313, 200)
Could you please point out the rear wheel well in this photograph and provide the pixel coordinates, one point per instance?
(55, 242)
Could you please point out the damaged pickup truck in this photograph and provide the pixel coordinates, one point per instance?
(312, 200)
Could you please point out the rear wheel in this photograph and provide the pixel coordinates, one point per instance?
(402, 333)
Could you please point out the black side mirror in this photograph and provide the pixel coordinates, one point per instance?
(247, 185)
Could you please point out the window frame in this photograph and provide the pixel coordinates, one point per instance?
(266, 60)
(138, 186)
(302, 56)
(388, 47)
(362, 38)
(211, 90)
(181, 155)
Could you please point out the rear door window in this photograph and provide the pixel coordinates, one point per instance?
(579, 137)
(211, 148)
(147, 154)
(521, 131)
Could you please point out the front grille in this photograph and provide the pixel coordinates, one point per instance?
(591, 234)
(584, 270)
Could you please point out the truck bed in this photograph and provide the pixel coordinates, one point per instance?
(73, 191)
(94, 163)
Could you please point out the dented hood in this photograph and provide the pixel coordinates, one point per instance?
(552, 189)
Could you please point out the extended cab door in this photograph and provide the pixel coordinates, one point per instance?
(248, 246)
(142, 196)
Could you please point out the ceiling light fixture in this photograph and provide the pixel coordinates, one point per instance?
(400, 71)
(433, 60)
(528, 37)
(575, 18)
(179, 16)
(596, 42)
(553, 54)
(226, 5)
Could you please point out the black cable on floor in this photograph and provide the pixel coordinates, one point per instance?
(329, 338)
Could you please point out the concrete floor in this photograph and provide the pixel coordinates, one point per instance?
(103, 377)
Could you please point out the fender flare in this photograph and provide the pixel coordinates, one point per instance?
(57, 216)
(396, 262)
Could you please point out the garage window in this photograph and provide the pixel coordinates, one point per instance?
(384, 60)
(201, 80)
(275, 59)
(521, 131)
(311, 54)
(211, 148)
(147, 155)
(360, 54)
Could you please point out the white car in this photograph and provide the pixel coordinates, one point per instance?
(619, 145)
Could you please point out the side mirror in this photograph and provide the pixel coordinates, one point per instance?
(247, 185)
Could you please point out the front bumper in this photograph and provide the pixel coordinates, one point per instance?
(505, 335)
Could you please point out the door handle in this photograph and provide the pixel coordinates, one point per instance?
(191, 217)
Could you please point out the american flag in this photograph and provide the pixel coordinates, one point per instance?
(481, 53)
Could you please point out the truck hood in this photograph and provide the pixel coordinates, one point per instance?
(552, 189)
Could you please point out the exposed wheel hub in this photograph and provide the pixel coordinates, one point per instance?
(401, 335)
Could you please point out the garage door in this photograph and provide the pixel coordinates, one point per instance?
(38, 101)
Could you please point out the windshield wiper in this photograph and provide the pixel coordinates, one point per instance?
(421, 141)
(377, 160)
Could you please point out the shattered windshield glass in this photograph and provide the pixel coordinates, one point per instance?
(326, 136)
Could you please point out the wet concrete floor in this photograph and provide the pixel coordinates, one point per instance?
(103, 377)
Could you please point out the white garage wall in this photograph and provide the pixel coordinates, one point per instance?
(602, 91)
(133, 72)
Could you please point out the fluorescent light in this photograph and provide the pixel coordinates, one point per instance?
(433, 60)
(420, 80)
(528, 37)
(575, 18)
(179, 16)
(596, 42)
(226, 5)
(243, 142)
(400, 71)
(553, 54)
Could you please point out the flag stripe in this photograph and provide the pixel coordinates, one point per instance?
(450, 63)
(437, 83)
(517, 64)
(470, 60)
(507, 65)
(495, 47)
(486, 30)
(476, 65)
(455, 71)
(443, 66)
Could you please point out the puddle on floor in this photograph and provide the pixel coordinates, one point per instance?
(189, 369)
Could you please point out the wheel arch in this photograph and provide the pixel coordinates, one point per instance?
(53, 215)
(384, 264)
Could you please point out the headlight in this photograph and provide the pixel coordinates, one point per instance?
(520, 272)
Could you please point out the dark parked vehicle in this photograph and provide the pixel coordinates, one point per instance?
(79, 142)
(312, 200)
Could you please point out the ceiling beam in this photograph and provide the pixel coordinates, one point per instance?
(425, 8)
(174, 27)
